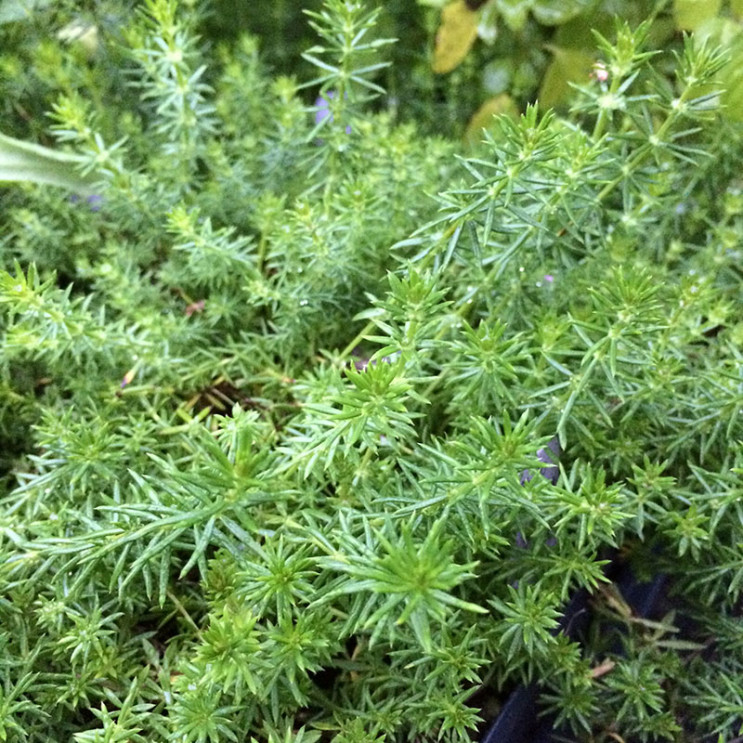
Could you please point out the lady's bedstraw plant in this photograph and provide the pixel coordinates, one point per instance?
(233, 511)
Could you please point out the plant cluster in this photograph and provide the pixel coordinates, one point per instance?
(270, 382)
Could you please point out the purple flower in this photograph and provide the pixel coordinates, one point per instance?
(545, 456)
(549, 456)
(94, 201)
(362, 363)
(322, 106)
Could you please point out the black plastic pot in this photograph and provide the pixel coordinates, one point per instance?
(518, 720)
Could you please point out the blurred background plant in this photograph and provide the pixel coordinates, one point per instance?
(455, 63)
(458, 62)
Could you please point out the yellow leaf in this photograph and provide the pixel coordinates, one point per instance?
(455, 37)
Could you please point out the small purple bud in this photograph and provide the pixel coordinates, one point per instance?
(361, 364)
(95, 201)
(322, 104)
(549, 278)
(553, 450)
(548, 455)
(545, 455)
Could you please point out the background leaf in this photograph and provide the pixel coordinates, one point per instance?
(691, 14)
(455, 37)
(728, 35)
(515, 12)
(22, 161)
(567, 66)
(557, 12)
(483, 117)
(20, 10)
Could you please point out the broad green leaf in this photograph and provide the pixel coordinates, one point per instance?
(455, 37)
(515, 12)
(727, 34)
(557, 12)
(731, 77)
(579, 33)
(23, 161)
(691, 14)
(567, 66)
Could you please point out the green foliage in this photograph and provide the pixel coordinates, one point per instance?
(267, 399)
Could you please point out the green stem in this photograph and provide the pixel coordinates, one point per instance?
(346, 352)
(182, 610)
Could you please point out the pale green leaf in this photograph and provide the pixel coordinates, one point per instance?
(557, 12)
(25, 162)
(691, 14)
(567, 66)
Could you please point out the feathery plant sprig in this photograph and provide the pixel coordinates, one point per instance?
(268, 403)
(167, 51)
(346, 78)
